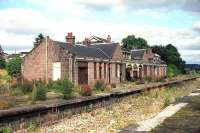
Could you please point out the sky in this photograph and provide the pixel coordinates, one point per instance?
(160, 22)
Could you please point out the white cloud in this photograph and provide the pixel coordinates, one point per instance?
(18, 27)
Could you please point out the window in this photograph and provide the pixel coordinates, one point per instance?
(95, 70)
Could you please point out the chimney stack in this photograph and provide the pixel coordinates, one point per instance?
(70, 38)
(109, 38)
(86, 42)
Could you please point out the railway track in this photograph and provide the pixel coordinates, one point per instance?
(19, 117)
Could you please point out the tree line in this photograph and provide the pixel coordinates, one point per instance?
(168, 53)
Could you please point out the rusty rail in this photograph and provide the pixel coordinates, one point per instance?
(19, 117)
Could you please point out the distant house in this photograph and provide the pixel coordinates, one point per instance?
(82, 63)
(143, 63)
(11, 56)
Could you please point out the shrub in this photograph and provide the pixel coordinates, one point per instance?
(2, 63)
(39, 92)
(14, 66)
(86, 90)
(172, 70)
(21, 89)
(64, 86)
(99, 85)
(32, 126)
(6, 130)
(167, 101)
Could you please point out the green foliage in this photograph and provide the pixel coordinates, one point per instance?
(64, 86)
(170, 55)
(14, 66)
(172, 70)
(194, 73)
(88, 108)
(38, 39)
(39, 92)
(33, 126)
(2, 64)
(131, 42)
(99, 85)
(167, 101)
(6, 130)
(21, 89)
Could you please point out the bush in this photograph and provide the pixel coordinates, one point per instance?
(2, 63)
(33, 126)
(167, 101)
(99, 85)
(172, 71)
(6, 130)
(86, 90)
(39, 92)
(14, 66)
(64, 86)
(21, 89)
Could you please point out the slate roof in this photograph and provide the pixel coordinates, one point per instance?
(107, 48)
(137, 54)
(83, 51)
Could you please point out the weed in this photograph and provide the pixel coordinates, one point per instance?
(88, 108)
(86, 90)
(6, 130)
(33, 126)
(99, 85)
(39, 92)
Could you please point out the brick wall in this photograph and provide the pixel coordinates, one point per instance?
(34, 64)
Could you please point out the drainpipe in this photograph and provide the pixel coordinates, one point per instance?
(46, 59)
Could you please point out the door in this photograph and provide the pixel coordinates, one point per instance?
(56, 71)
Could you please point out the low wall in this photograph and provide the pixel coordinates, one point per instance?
(19, 117)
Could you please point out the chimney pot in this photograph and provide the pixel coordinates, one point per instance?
(109, 38)
(70, 38)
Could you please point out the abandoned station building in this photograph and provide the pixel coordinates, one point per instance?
(88, 61)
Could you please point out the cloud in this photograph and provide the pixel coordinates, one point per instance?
(22, 21)
(191, 56)
(187, 5)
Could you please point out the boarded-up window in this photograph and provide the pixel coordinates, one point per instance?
(56, 71)
(95, 70)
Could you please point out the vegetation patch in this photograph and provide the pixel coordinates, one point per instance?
(39, 92)
(185, 120)
(127, 111)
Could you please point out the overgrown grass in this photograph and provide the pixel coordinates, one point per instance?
(127, 111)
(185, 120)
(6, 130)
(39, 92)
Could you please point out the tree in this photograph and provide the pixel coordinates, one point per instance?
(171, 56)
(131, 42)
(2, 59)
(38, 39)
(14, 66)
